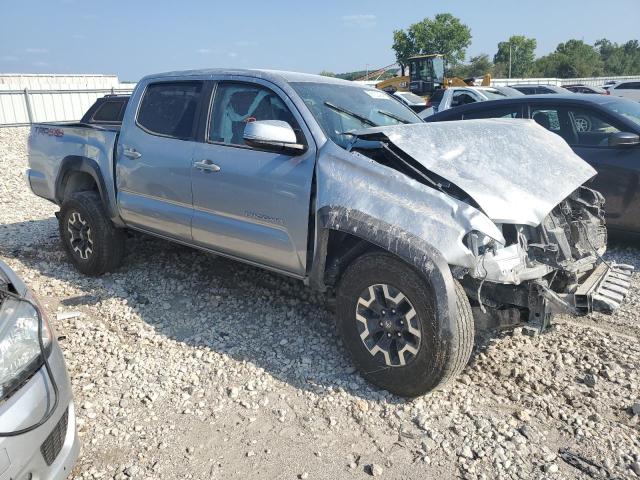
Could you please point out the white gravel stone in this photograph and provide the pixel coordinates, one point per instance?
(182, 362)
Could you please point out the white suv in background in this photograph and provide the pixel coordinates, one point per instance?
(628, 89)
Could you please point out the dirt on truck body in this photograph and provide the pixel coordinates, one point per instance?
(410, 225)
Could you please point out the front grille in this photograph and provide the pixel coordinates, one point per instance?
(573, 234)
(51, 447)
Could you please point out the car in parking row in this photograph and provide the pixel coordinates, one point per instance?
(534, 89)
(590, 89)
(38, 438)
(603, 130)
(626, 89)
(452, 97)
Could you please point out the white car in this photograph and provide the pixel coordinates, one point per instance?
(627, 89)
(411, 100)
(38, 438)
(455, 96)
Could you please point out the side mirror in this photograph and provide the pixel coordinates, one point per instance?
(622, 139)
(275, 135)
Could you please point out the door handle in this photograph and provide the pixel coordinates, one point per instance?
(206, 165)
(131, 153)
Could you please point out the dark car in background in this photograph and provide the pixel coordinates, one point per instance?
(539, 89)
(107, 111)
(590, 89)
(603, 130)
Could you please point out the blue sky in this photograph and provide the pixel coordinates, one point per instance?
(134, 38)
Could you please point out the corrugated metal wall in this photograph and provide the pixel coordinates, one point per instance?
(25, 99)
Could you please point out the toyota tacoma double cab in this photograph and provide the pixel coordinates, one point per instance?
(410, 227)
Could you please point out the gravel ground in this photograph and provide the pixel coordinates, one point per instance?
(187, 365)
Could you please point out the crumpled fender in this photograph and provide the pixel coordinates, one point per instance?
(413, 250)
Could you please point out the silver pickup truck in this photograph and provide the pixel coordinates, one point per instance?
(412, 228)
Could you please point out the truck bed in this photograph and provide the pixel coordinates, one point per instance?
(54, 146)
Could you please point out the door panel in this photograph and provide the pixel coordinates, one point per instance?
(154, 160)
(618, 179)
(256, 205)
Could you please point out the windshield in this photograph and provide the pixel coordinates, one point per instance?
(411, 97)
(427, 69)
(492, 94)
(628, 109)
(341, 109)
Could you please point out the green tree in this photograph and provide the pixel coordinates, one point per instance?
(477, 67)
(522, 56)
(326, 73)
(571, 59)
(443, 34)
(619, 59)
(404, 47)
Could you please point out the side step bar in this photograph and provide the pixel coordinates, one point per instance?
(604, 290)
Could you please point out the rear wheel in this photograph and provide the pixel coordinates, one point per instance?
(93, 244)
(387, 318)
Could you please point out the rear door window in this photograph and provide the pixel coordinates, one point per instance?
(556, 120)
(169, 109)
(548, 118)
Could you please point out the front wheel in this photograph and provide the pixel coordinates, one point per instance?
(92, 242)
(388, 321)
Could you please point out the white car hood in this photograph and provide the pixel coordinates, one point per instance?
(515, 170)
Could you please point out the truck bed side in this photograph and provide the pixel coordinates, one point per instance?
(58, 149)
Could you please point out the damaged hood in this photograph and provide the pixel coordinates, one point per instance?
(515, 170)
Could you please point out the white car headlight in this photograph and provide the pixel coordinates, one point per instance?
(20, 354)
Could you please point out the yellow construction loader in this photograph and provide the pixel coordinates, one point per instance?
(426, 75)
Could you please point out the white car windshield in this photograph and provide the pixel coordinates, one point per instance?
(492, 94)
(411, 97)
(341, 109)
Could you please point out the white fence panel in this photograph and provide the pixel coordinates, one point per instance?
(13, 109)
(28, 98)
(593, 81)
(22, 107)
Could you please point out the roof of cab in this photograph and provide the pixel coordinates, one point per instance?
(275, 76)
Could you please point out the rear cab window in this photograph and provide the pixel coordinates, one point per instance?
(170, 109)
(109, 112)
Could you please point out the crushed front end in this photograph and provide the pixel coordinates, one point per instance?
(554, 267)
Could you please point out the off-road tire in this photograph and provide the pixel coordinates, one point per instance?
(445, 344)
(107, 247)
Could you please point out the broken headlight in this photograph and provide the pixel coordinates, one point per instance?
(479, 243)
(20, 354)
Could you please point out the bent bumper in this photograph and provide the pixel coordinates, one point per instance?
(49, 451)
(604, 290)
